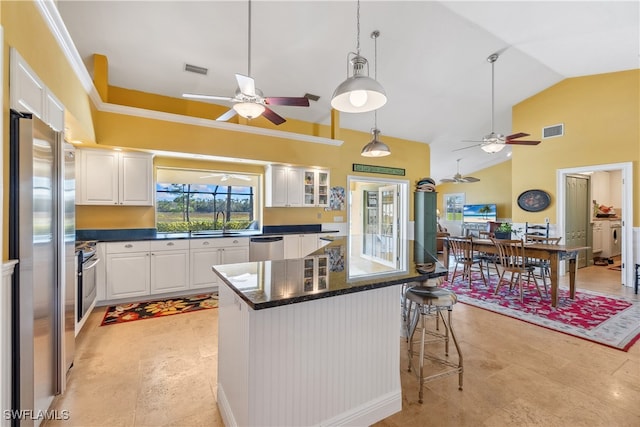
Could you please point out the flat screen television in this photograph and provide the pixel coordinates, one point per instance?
(479, 213)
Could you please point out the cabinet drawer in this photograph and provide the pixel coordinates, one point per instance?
(125, 247)
(223, 242)
(169, 245)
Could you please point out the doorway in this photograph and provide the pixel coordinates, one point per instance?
(626, 210)
(377, 215)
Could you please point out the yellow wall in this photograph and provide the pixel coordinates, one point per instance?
(601, 115)
(494, 187)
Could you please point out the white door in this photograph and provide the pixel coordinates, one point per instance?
(387, 241)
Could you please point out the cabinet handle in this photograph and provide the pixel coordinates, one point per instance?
(128, 245)
(205, 243)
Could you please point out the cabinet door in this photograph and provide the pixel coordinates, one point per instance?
(291, 246)
(136, 179)
(308, 244)
(98, 177)
(234, 254)
(323, 188)
(201, 274)
(295, 179)
(27, 91)
(128, 275)
(169, 271)
(276, 191)
(310, 198)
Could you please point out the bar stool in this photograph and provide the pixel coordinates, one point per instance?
(432, 302)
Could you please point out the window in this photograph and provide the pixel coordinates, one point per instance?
(193, 200)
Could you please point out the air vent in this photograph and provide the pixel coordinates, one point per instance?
(311, 97)
(196, 69)
(553, 131)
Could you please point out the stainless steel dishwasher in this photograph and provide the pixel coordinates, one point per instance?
(266, 248)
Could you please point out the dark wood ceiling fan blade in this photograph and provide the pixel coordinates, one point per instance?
(292, 101)
(273, 117)
(522, 142)
(226, 116)
(516, 135)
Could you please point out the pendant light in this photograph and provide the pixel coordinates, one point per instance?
(375, 147)
(494, 142)
(358, 93)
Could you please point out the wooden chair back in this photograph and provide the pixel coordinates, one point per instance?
(461, 248)
(534, 238)
(510, 254)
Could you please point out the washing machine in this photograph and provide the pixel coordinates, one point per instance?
(615, 236)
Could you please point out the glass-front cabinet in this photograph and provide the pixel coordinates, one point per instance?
(316, 187)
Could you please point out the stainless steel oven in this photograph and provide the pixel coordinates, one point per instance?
(87, 262)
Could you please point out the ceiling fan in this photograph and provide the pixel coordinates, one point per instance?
(249, 102)
(457, 178)
(495, 142)
(227, 176)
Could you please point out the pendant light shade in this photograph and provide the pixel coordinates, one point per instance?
(375, 147)
(358, 93)
(493, 143)
(249, 110)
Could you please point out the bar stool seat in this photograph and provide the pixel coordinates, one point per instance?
(431, 302)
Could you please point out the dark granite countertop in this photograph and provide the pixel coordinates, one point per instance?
(322, 274)
(127, 234)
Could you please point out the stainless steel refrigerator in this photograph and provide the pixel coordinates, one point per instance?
(42, 238)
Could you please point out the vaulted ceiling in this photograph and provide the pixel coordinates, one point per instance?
(432, 56)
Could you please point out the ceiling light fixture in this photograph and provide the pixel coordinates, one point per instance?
(249, 110)
(375, 147)
(494, 142)
(358, 93)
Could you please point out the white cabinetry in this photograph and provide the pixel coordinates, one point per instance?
(128, 269)
(600, 188)
(114, 178)
(598, 237)
(300, 245)
(206, 253)
(316, 187)
(169, 266)
(283, 186)
(29, 94)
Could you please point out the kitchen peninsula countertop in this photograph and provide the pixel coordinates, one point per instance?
(281, 282)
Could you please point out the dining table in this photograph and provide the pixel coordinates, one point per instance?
(551, 252)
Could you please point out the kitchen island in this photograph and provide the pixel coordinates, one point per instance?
(308, 342)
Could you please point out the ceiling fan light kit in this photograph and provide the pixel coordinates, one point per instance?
(358, 93)
(249, 110)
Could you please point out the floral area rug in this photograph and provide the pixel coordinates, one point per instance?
(608, 320)
(144, 310)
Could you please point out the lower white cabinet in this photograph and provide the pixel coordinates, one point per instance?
(169, 266)
(128, 269)
(208, 252)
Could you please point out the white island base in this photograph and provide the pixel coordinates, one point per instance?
(327, 362)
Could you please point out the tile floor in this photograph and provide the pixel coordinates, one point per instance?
(162, 372)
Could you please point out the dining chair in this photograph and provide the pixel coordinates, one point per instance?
(542, 265)
(512, 259)
(466, 257)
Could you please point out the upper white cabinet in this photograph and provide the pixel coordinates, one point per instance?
(316, 188)
(283, 186)
(114, 178)
(28, 93)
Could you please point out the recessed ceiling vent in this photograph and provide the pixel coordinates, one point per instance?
(196, 69)
(553, 131)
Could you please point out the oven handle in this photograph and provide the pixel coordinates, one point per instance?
(91, 265)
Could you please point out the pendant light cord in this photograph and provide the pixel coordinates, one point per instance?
(249, 42)
(358, 28)
(492, 93)
(374, 36)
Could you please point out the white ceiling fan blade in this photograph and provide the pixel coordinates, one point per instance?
(469, 179)
(226, 116)
(206, 97)
(448, 180)
(464, 148)
(246, 85)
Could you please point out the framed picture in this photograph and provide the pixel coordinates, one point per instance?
(534, 200)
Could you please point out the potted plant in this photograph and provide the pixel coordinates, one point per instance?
(504, 231)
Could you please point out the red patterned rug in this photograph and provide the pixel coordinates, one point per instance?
(608, 320)
(145, 310)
